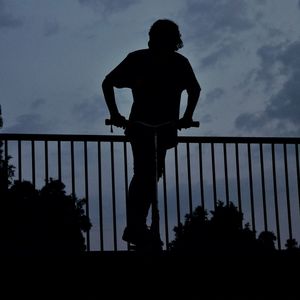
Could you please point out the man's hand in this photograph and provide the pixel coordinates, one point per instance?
(184, 122)
(118, 120)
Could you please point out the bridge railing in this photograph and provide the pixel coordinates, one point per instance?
(260, 175)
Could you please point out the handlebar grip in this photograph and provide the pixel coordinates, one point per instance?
(195, 124)
(108, 122)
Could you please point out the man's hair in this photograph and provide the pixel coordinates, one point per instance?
(164, 34)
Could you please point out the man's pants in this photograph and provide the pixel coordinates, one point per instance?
(142, 189)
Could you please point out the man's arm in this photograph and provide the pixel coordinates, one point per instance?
(193, 97)
(109, 96)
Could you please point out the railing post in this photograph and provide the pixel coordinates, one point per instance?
(86, 187)
(20, 159)
(33, 162)
(113, 195)
(238, 177)
(226, 174)
(188, 160)
(201, 176)
(276, 197)
(101, 233)
(46, 162)
(177, 186)
(287, 192)
(298, 174)
(263, 186)
(213, 164)
(73, 168)
(251, 187)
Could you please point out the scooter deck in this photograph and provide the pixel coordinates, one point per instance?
(156, 246)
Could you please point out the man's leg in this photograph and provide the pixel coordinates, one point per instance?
(142, 189)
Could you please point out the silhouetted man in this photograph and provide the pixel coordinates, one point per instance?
(157, 76)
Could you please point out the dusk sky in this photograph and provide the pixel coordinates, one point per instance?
(54, 55)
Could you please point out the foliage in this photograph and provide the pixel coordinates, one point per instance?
(222, 233)
(43, 221)
(292, 247)
(46, 220)
(6, 170)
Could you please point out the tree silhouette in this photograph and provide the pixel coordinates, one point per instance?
(292, 248)
(46, 221)
(291, 244)
(38, 221)
(223, 233)
(6, 170)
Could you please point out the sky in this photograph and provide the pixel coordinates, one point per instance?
(54, 55)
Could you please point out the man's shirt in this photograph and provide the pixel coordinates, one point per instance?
(157, 81)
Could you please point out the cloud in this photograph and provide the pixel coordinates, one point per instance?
(270, 66)
(285, 104)
(108, 6)
(223, 51)
(247, 121)
(217, 29)
(281, 114)
(215, 94)
(7, 20)
(261, 2)
(89, 111)
(212, 20)
(29, 123)
(51, 28)
(37, 103)
(206, 118)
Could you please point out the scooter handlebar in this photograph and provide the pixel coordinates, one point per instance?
(195, 124)
(192, 124)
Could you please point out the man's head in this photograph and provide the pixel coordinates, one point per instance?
(164, 34)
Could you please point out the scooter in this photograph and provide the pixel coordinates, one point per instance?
(156, 243)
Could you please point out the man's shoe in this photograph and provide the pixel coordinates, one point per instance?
(143, 239)
(135, 235)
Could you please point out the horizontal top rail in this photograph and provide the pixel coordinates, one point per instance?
(122, 138)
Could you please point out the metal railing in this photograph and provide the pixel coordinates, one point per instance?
(260, 175)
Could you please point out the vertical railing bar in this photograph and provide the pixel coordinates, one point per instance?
(6, 164)
(287, 191)
(33, 162)
(189, 177)
(100, 197)
(226, 173)
(251, 187)
(263, 186)
(201, 176)
(6, 150)
(72, 168)
(46, 162)
(177, 186)
(112, 160)
(59, 160)
(166, 208)
(86, 186)
(20, 159)
(214, 174)
(237, 163)
(126, 183)
(276, 197)
(298, 172)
